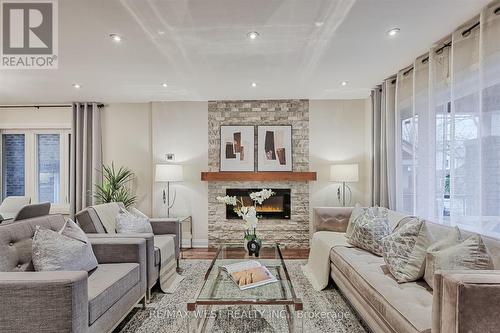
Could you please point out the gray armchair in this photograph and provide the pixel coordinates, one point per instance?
(92, 221)
(33, 210)
(68, 301)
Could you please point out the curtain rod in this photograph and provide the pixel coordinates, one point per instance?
(465, 33)
(38, 106)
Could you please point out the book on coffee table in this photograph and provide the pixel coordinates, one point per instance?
(249, 274)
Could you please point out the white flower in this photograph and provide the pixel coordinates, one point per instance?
(260, 196)
(227, 200)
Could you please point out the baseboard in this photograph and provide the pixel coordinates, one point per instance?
(200, 243)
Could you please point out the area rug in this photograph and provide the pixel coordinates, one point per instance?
(324, 311)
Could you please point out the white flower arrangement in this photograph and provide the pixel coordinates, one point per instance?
(247, 213)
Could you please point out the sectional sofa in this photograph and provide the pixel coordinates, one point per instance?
(462, 301)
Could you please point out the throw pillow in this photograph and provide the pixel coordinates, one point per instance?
(66, 250)
(127, 222)
(405, 250)
(356, 212)
(453, 238)
(469, 254)
(369, 229)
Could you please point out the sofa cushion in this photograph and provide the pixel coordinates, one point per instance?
(451, 239)
(69, 249)
(469, 254)
(369, 229)
(108, 284)
(405, 250)
(127, 222)
(406, 307)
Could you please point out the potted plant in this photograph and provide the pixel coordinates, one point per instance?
(115, 186)
(249, 215)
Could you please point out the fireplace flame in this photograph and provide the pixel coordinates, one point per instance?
(268, 209)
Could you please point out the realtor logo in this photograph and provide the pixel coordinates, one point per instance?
(29, 34)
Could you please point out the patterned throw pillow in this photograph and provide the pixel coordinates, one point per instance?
(405, 250)
(356, 212)
(66, 250)
(127, 222)
(469, 254)
(369, 229)
(453, 238)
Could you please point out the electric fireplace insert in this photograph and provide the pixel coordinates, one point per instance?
(276, 207)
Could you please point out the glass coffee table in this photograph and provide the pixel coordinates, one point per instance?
(277, 302)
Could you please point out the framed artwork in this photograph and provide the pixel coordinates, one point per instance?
(274, 148)
(237, 148)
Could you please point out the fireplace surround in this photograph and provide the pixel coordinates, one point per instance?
(291, 233)
(276, 207)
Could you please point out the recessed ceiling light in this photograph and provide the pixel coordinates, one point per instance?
(393, 32)
(76, 86)
(254, 84)
(115, 37)
(164, 85)
(344, 83)
(253, 34)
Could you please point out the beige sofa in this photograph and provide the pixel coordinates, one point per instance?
(67, 301)
(463, 301)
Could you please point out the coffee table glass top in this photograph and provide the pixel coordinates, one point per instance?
(219, 288)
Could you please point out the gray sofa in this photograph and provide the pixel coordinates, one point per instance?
(462, 301)
(89, 221)
(67, 301)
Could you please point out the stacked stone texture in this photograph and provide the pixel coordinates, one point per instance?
(293, 233)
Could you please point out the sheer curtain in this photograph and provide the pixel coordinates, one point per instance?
(406, 142)
(447, 129)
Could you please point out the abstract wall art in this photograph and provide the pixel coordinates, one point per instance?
(237, 148)
(274, 150)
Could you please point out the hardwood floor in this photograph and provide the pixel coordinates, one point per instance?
(209, 253)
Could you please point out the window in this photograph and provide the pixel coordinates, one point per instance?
(49, 166)
(13, 179)
(35, 163)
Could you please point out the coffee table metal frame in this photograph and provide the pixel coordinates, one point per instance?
(292, 304)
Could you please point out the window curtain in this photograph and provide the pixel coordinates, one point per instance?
(86, 155)
(447, 128)
(383, 163)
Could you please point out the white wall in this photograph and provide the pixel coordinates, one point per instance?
(18, 118)
(126, 137)
(339, 132)
(181, 128)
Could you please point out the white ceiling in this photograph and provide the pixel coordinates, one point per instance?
(305, 49)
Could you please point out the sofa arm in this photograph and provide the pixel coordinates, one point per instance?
(43, 302)
(169, 226)
(109, 250)
(466, 301)
(331, 218)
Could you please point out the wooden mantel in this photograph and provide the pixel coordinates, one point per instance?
(225, 176)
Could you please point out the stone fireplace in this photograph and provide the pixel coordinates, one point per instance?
(293, 231)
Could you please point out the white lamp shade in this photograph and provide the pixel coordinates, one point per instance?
(168, 173)
(344, 173)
